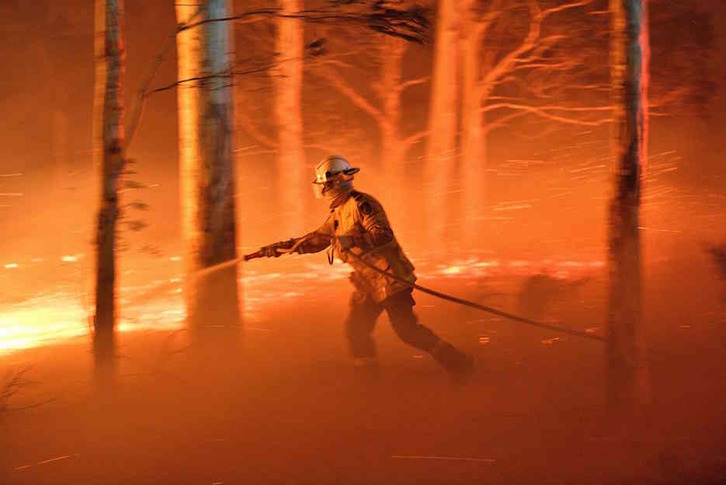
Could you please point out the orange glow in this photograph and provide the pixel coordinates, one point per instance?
(158, 305)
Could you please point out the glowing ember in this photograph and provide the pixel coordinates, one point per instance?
(451, 270)
(550, 341)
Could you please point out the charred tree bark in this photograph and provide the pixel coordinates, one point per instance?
(207, 172)
(288, 111)
(627, 372)
(110, 67)
(441, 149)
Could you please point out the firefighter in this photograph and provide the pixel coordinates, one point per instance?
(357, 226)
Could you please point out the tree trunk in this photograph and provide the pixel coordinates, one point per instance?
(292, 178)
(473, 136)
(59, 139)
(393, 150)
(207, 172)
(627, 372)
(441, 149)
(110, 60)
(58, 22)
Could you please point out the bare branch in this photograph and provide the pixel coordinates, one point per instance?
(542, 46)
(547, 112)
(13, 383)
(249, 126)
(410, 25)
(550, 66)
(584, 109)
(186, 81)
(414, 82)
(159, 59)
(668, 98)
(566, 6)
(416, 137)
(527, 44)
(339, 83)
(530, 41)
(502, 121)
(337, 63)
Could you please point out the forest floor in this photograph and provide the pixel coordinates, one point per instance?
(285, 404)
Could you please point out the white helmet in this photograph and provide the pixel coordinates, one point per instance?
(328, 168)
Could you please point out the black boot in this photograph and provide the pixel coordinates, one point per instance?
(453, 360)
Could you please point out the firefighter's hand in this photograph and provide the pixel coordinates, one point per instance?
(271, 251)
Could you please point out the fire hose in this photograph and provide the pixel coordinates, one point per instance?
(443, 296)
(478, 306)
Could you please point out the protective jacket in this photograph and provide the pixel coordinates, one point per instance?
(361, 219)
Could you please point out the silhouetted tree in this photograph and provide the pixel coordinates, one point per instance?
(541, 61)
(381, 98)
(289, 49)
(205, 70)
(109, 140)
(718, 254)
(441, 150)
(512, 61)
(627, 372)
(397, 22)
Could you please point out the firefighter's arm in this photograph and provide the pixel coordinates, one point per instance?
(309, 243)
(376, 229)
(315, 241)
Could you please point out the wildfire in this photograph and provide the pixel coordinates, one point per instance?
(158, 304)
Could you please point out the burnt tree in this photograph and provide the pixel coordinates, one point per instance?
(627, 373)
(109, 140)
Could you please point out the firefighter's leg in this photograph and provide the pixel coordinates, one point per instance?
(400, 311)
(404, 321)
(359, 325)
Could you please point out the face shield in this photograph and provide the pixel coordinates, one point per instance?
(333, 177)
(332, 185)
(318, 189)
(322, 181)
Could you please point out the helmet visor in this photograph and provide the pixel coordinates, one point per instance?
(318, 189)
(327, 176)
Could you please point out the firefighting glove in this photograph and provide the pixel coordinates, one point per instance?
(274, 250)
(279, 248)
(271, 251)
